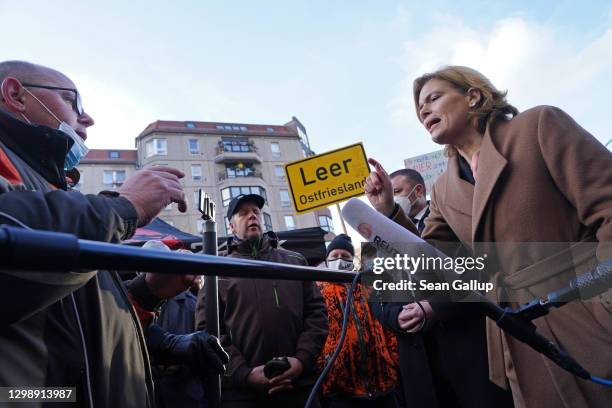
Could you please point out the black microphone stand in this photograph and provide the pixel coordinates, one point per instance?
(29, 250)
(211, 291)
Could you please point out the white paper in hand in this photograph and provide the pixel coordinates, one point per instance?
(374, 226)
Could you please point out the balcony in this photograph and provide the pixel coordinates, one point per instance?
(222, 176)
(239, 151)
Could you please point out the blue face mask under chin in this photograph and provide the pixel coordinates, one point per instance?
(78, 149)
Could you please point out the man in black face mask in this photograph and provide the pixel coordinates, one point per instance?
(264, 319)
(77, 329)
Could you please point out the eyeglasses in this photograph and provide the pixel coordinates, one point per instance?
(77, 104)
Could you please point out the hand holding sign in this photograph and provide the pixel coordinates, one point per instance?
(379, 190)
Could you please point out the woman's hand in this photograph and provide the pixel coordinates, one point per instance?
(411, 317)
(379, 190)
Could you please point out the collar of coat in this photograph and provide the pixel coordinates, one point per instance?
(267, 241)
(43, 148)
(473, 199)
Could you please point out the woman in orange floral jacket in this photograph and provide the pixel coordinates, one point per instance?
(365, 372)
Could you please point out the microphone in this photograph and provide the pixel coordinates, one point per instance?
(585, 286)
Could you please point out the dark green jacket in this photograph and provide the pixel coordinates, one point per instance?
(263, 318)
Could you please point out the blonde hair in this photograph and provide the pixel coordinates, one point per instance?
(492, 105)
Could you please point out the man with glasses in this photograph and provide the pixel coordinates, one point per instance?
(77, 104)
(77, 329)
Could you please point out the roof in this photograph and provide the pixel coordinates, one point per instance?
(219, 128)
(104, 156)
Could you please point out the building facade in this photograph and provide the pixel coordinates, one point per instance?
(223, 159)
(105, 169)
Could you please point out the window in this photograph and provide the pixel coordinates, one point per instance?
(237, 144)
(156, 147)
(289, 222)
(196, 198)
(190, 125)
(230, 192)
(302, 134)
(79, 185)
(267, 222)
(228, 229)
(239, 170)
(275, 148)
(284, 198)
(280, 172)
(113, 154)
(232, 128)
(196, 172)
(113, 178)
(270, 130)
(326, 223)
(194, 146)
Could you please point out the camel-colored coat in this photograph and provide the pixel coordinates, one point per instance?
(541, 178)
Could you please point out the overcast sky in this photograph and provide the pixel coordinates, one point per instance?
(344, 68)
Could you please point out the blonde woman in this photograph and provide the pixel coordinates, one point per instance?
(531, 177)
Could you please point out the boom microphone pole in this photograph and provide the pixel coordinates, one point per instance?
(29, 250)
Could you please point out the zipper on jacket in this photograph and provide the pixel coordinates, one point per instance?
(276, 294)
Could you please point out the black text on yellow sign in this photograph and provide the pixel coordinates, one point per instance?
(327, 178)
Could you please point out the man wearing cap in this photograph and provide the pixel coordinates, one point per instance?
(262, 319)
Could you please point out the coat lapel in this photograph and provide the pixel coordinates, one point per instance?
(490, 166)
(457, 197)
(458, 192)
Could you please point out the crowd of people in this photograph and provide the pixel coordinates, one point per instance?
(534, 176)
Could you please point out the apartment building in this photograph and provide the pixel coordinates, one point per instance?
(224, 159)
(105, 169)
